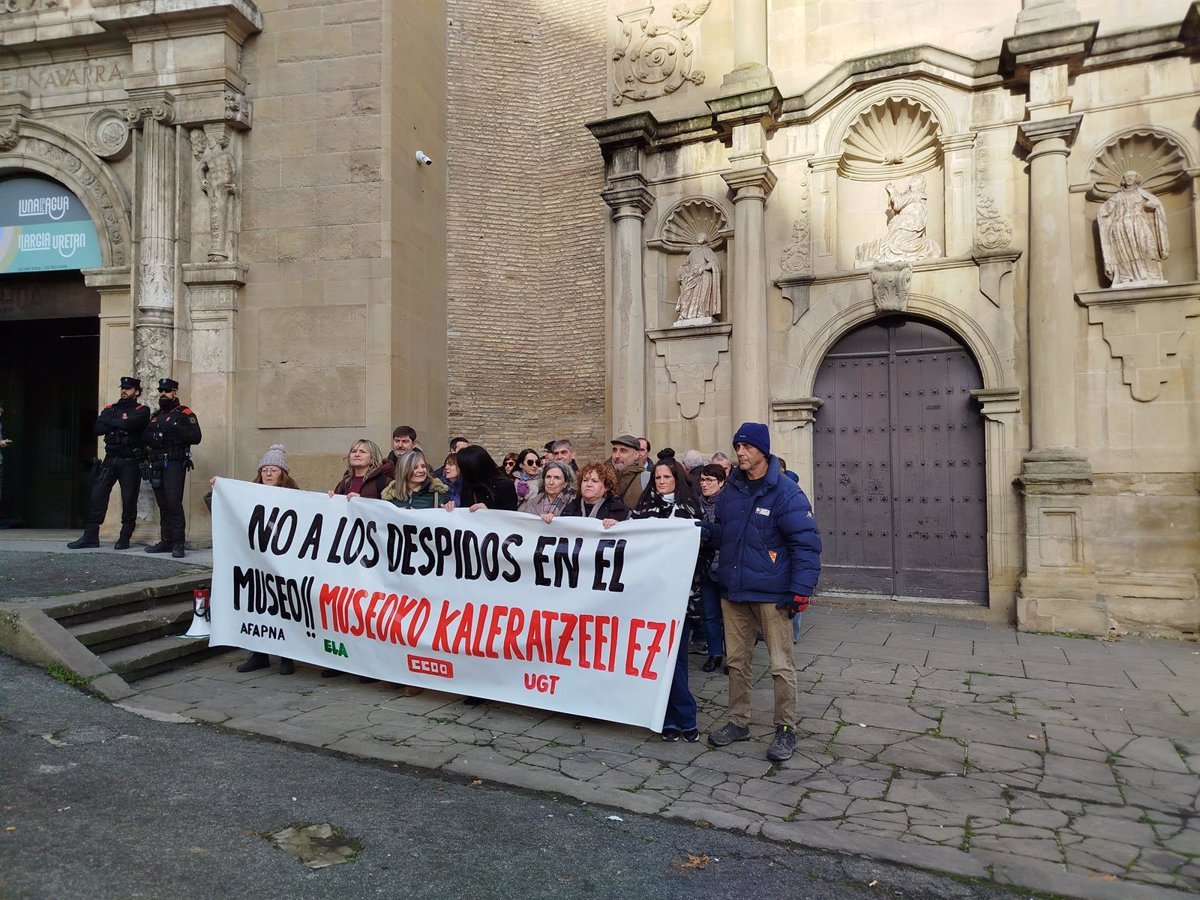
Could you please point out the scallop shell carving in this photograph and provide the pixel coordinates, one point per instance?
(1158, 159)
(693, 222)
(893, 138)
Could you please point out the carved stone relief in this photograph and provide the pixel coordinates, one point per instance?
(107, 134)
(896, 137)
(238, 110)
(216, 173)
(890, 282)
(992, 231)
(10, 134)
(652, 60)
(906, 240)
(1156, 157)
(797, 255)
(690, 358)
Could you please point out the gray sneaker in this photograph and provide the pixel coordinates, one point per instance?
(727, 734)
(784, 744)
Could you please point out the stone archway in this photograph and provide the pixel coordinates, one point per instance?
(31, 146)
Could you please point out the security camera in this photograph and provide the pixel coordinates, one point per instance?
(423, 159)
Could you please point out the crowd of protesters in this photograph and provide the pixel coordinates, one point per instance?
(757, 567)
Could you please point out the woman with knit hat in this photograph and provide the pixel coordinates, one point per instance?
(273, 472)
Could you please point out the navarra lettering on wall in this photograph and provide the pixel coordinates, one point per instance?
(566, 616)
(62, 78)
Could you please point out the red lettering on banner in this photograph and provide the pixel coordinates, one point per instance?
(357, 628)
(329, 595)
(441, 634)
(498, 612)
(634, 625)
(424, 665)
(535, 637)
(543, 684)
(653, 650)
(564, 639)
(375, 598)
(516, 619)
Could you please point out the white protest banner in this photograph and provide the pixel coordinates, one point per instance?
(567, 616)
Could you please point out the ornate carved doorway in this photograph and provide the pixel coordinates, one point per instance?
(899, 478)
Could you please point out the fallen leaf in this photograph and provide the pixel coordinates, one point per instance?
(477, 781)
(696, 862)
(1103, 877)
(1036, 737)
(873, 883)
(615, 819)
(10, 828)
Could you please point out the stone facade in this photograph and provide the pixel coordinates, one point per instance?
(245, 164)
(1089, 392)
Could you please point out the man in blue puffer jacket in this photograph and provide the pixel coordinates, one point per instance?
(769, 562)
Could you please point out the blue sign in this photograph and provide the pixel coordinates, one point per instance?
(44, 228)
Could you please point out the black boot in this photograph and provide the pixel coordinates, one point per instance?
(286, 666)
(123, 540)
(177, 551)
(89, 538)
(160, 547)
(713, 663)
(255, 661)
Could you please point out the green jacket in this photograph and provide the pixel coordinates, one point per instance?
(432, 495)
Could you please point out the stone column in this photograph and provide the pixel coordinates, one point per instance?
(630, 200)
(1052, 310)
(748, 294)
(153, 112)
(750, 32)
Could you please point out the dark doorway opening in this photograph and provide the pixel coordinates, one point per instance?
(49, 370)
(898, 465)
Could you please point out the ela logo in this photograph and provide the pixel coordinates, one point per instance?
(336, 649)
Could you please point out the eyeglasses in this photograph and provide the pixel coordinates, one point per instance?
(529, 462)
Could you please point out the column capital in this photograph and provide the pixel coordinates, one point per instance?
(758, 181)
(628, 197)
(802, 411)
(156, 104)
(1064, 128)
(953, 142)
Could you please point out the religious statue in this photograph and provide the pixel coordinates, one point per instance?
(699, 284)
(217, 172)
(905, 240)
(1133, 235)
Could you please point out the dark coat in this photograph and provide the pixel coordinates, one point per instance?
(498, 494)
(611, 507)
(122, 424)
(374, 483)
(170, 432)
(768, 541)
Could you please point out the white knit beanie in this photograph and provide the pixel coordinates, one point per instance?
(275, 456)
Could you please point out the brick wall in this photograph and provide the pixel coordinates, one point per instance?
(526, 225)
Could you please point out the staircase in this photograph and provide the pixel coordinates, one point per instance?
(135, 630)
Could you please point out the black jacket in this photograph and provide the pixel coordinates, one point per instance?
(611, 507)
(122, 424)
(171, 432)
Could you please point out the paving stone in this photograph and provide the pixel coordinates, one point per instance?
(1045, 848)
(867, 789)
(1079, 770)
(987, 665)
(989, 758)
(1113, 853)
(949, 835)
(824, 806)
(923, 642)
(884, 715)
(1079, 790)
(927, 754)
(1003, 685)
(852, 650)
(973, 726)
(1105, 675)
(1154, 753)
(878, 672)
(1010, 830)
(1160, 861)
(965, 795)
(1041, 818)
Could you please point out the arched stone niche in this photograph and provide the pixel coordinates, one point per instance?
(688, 222)
(891, 141)
(1168, 170)
(30, 146)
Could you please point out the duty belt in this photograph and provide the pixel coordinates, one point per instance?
(175, 454)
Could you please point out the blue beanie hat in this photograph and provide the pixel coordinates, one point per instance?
(756, 435)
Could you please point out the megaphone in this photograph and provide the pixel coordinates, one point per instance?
(200, 621)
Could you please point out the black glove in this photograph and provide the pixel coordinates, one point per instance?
(794, 606)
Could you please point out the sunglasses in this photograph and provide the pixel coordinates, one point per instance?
(529, 462)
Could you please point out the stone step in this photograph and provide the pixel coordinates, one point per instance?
(162, 619)
(76, 609)
(158, 655)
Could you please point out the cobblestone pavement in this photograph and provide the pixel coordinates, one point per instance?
(1062, 764)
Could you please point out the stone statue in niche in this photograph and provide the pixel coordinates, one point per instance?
(217, 171)
(906, 240)
(1133, 235)
(699, 286)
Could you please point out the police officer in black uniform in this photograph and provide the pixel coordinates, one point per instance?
(172, 430)
(122, 424)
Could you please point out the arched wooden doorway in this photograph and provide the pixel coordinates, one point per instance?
(898, 465)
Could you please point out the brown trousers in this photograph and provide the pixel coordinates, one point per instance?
(743, 621)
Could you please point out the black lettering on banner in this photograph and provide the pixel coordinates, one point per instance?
(312, 539)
